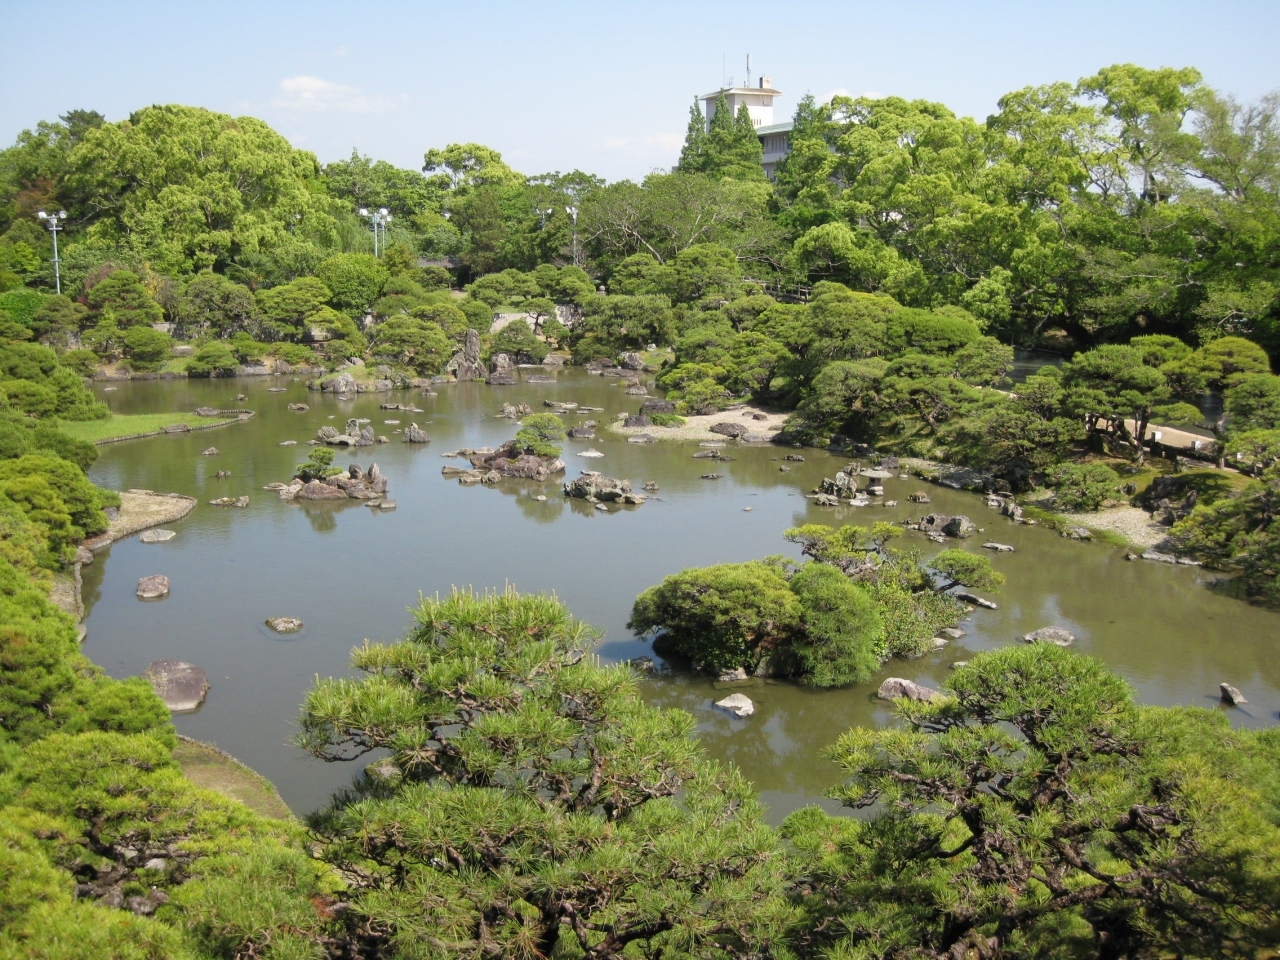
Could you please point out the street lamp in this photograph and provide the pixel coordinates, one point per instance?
(380, 218)
(573, 215)
(543, 214)
(51, 221)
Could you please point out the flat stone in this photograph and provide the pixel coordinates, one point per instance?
(591, 452)
(737, 704)
(211, 452)
(974, 598)
(284, 624)
(157, 536)
(288, 443)
(998, 547)
(1055, 635)
(230, 502)
(153, 587)
(182, 686)
(1159, 557)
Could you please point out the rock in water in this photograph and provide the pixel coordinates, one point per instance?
(466, 364)
(737, 704)
(230, 502)
(591, 452)
(284, 624)
(153, 587)
(895, 688)
(1231, 695)
(415, 434)
(504, 370)
(211, 452)
(156, 536)
(730, 676)
(315, 490)
(959, 527)
(998, 547)
(1056, 635)
(637, 420)
(919, 497)
(601, 489)
(182, 686)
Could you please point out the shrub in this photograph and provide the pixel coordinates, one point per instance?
(722, 617)
(841, 639)
(541, 434)
(81, 362)
(319, 464)
(213, 359)
(667, 419)
(84, 501)
(147, 348)
(1084, 486)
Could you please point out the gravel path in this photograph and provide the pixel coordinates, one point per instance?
(699, 427)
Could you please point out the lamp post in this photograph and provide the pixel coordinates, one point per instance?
(543, 214)
(573, 215)
(51, 221)
(380, 218)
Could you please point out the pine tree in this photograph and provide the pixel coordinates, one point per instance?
(693, 156)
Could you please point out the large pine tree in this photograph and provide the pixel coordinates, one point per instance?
(727, 147)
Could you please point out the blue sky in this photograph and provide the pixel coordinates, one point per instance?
(603, 87)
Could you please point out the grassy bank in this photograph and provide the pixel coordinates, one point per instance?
(124, 425)
(207, 766)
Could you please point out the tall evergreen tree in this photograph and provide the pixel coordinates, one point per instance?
(693, 155)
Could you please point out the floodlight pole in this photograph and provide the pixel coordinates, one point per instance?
(51, 221)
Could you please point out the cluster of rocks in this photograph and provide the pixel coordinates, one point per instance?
(1170, 498)
(514, 411)
(939, 526)
(356, 484)
(240, 502)
(358, 434)
(594, 487)
(509, 461)
(344, 384)
(406, 407)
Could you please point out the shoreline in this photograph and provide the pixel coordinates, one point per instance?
(241, 417)
(698, 426)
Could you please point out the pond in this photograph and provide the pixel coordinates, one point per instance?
(352, 573)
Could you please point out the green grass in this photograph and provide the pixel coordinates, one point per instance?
(123, 425)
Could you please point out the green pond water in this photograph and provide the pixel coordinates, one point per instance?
(352, 573)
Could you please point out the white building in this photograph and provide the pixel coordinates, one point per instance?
(774, 137)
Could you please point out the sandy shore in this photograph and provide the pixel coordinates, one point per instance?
(699, 427)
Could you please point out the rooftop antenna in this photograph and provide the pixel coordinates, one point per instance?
(748, 83)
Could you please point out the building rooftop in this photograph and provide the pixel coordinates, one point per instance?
(767, 91)
(784, 127)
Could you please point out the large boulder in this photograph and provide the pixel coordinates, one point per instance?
(934, 523)
(1055, 635)
(631, 361)
(342, 383)
(601, 489)
(650, 407)
(842, 485)
(466, 363)
(415, 434)
(637, 420)
(960, 527)
(895, 688)
(316, 490)
(738, 704)
(729, 429)
(182, 686)
(153, 587)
